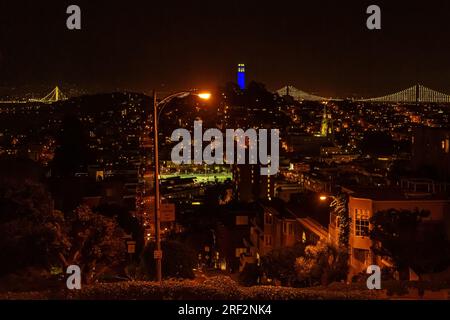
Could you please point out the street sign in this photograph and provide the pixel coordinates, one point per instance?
(157, 254)
(167, 211)
(131, 246)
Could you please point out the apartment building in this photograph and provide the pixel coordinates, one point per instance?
(363, 204)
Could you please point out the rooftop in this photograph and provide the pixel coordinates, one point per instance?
(392, 194)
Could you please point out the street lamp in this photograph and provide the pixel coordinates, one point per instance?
(156, 114)
(325, 197)
(339, 208)
(204, 95)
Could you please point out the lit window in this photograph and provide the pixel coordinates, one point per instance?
(361, 222)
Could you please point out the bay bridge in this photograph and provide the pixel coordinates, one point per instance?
(54, 96)
(416, 94)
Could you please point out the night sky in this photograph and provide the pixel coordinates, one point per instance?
(318, 46)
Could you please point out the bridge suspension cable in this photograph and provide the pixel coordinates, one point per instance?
(414, 94)
(299, 94)
(54, 96)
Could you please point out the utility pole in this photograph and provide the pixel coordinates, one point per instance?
(158, 252)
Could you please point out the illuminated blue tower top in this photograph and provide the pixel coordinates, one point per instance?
(241, 76)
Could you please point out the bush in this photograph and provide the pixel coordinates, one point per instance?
(214, 288)
(217, 288)
(250, 275)
(280, 263)
(323, 264)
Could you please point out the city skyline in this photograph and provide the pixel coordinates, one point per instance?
(235, 150)
(321, 48)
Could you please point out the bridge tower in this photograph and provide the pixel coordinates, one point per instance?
(54, 96)
(57, 93)
(417, 94)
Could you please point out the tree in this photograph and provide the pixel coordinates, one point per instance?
(322, 263)
(177, 262)
(280, 263)
(96, 243)
(340, 209)
(31, 232)
(127, 221)
(34, 235)
(403, 237)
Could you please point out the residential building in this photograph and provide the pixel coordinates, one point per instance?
(364, 203)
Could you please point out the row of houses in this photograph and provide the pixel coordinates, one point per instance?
(267, 227)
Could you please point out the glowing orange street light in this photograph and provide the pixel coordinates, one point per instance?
(204, 95)
(323, 198)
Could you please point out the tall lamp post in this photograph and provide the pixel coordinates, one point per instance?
(326, 197)
(157, 109)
